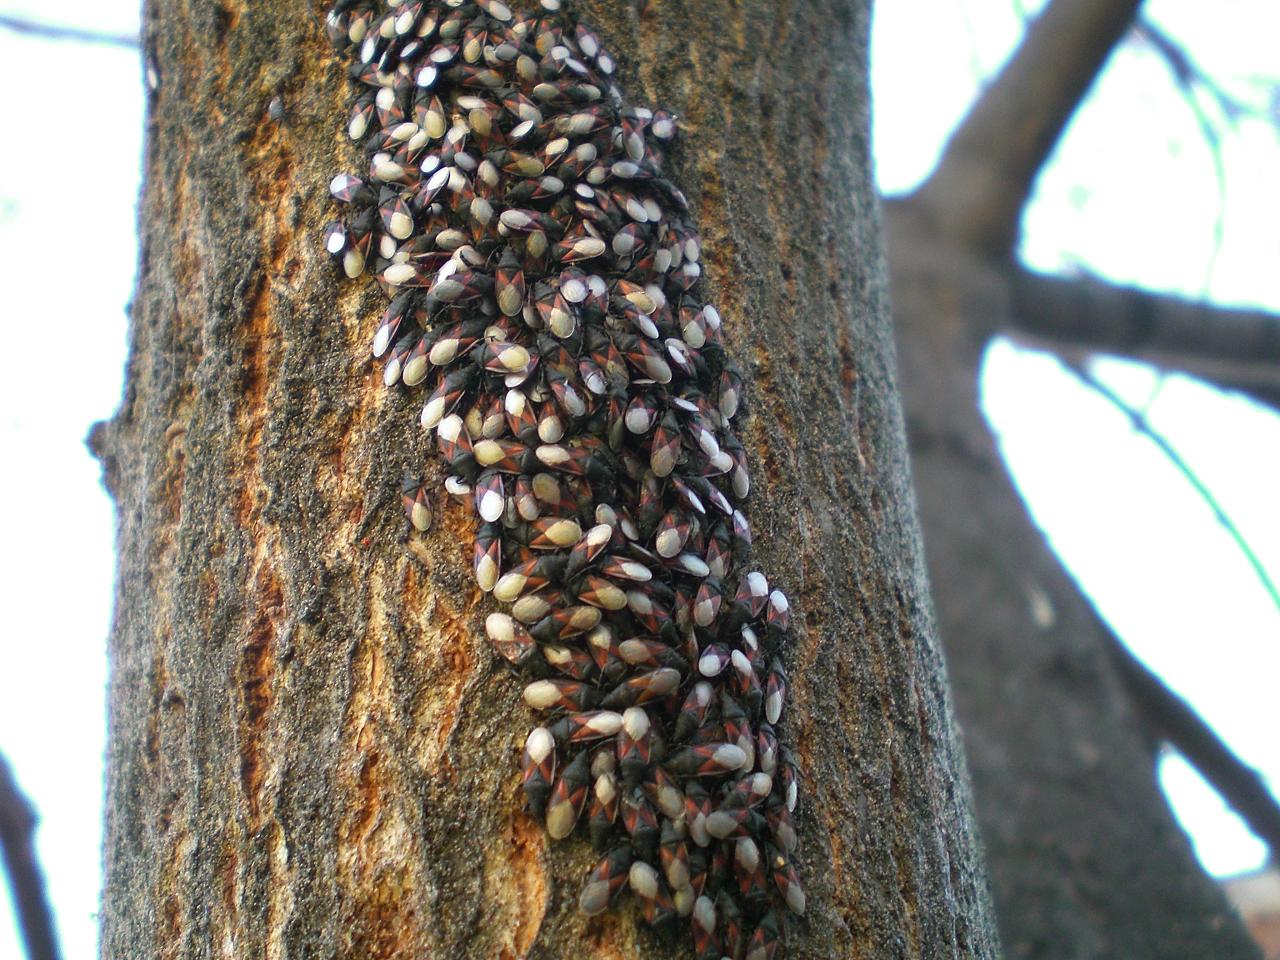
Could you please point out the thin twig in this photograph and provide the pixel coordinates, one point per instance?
(1189, 75)
(1138, 420)
(54, 31)
(17, 825)
(1190, 80)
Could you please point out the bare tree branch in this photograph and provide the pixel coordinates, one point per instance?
(1191, 80)
(1142, 425)
(1190, 77)
(1171, 719)
(17, 824)
(1075, 316)
(981, 185)
(53, 31)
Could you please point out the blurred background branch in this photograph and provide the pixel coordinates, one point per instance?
(53, 31)
(1171, 719)
(1234, 349)
(26, 880)
(982, 183)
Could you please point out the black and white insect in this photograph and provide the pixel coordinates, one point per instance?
(544, 286)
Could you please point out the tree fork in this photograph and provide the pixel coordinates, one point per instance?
(312, 752)
(1084, 855)
(1083, 852)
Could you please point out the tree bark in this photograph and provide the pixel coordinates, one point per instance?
(1085, 858)
(312, 751)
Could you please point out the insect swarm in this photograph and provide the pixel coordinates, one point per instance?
(544, 285)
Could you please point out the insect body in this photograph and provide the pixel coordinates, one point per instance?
(546, 303)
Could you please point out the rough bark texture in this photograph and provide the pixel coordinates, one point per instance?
(312, 752)
(1085, 858)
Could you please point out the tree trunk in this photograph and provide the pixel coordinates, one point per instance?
(1085, 858)
(313, 752)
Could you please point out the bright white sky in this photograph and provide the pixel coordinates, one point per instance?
(1130, 196)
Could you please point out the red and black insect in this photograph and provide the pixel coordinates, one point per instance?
(545, 297)
(538, 768)
(417, 505)
(606, 881)
(569, 797)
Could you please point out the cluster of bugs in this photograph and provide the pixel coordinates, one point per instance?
(544, 287)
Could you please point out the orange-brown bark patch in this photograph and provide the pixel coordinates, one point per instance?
(255, 681)
(518, 866)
